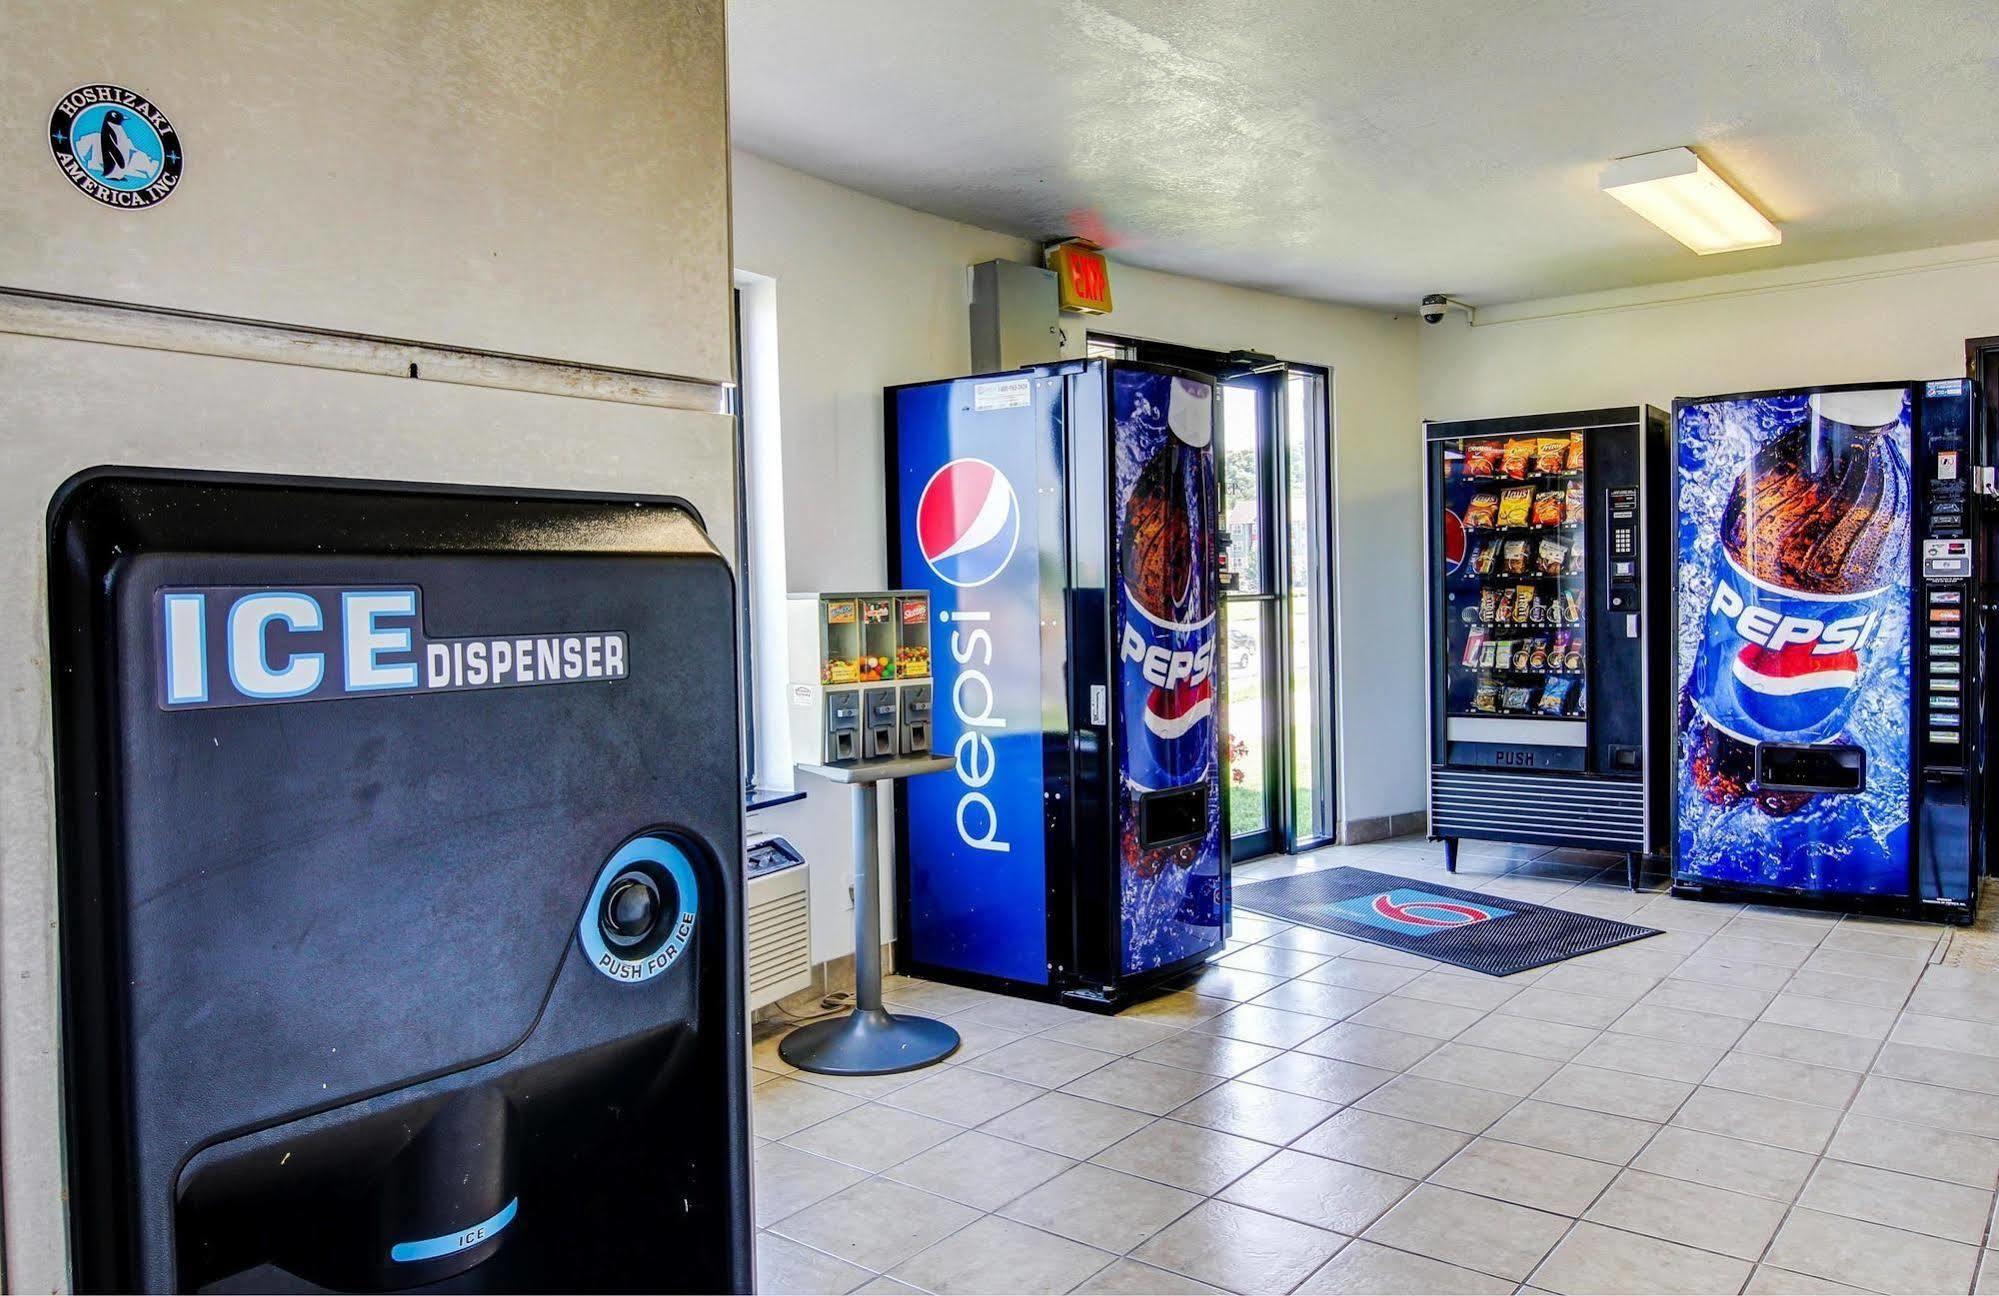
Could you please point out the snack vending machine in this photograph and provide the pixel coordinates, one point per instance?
(1063, 522)
(1548, 584)
(1830, 646)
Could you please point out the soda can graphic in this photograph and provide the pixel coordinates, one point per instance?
(1166, 650)
(1811, 551)
(1782, 665)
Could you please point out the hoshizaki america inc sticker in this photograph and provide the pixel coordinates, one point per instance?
(115, 145)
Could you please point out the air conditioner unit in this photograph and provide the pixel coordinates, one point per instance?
(780, 919)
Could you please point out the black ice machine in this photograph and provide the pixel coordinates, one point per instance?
(399, 842)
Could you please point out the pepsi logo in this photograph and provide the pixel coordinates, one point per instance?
(967, 522)
(1454, 541)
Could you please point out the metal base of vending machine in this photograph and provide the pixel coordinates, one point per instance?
(400, 883)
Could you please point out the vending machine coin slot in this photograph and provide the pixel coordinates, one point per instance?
(915, 719)
(882, 722)
(843, 724)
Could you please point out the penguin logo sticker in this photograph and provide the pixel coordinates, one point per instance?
(115, 146)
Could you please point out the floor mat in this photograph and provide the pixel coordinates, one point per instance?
(1496, 935)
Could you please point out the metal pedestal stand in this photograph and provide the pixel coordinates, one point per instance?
(869, 1040)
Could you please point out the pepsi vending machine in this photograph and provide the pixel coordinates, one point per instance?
(1830, 646)
(1063, 520)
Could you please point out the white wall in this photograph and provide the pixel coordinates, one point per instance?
(868, 294)
(419, 170)
(1891, 317)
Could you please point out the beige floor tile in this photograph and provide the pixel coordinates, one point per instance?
(1929, 1105)
(1749, 950)
(1901, 971)
(1238, 985)
(1564, 1006)
(789, 1180)
(963, 1096)
(1916, 1149)
(873, 1137)
(1112, 1034)
(1768, 1280)
(785, 1267)
(1756, 927)
(1067, 1125)
(1144, 1086)
(1192, 1157)
(1598, 1136)
(1273, 959)
(1649, 1056)
(1872, 1256)
(1619, 1093)
(1518, 1074)
(1469, 1231)
(1582, 977)
(1680, 1025)
(1951, 1033)
(1215, 1055)
(1937, 1066)
(1783, 1078)
(1371, 1046)
(1401, 1147)
(1252, 1111)
(1595, 1259)
(996, 1254)
(1526, 1176)
(1359, 974)
(1365, 1269)
(1720, 1162)
(1543, 1039)
(1438, 1102)
(1040, 1061)
(1775, 1121)
(1312, 940)
(1719, 970)
(976, 1039)
(1130, 1278)
(877, 1223)
(1846, 988)
(785, 1106)
(1676, 1210)
(1417, 1017)
(1901, 944)
(978, 1169)
(1790, 1009)
(1102, 1207)
(1240, 1249)
(1327, 1079)
(1944, 1210)
(1988, 1274)
(1181, 1008)
(1705, 997)
(866, 1088)
(1272, 1026)
(1464, 990)
(1820, 1048)
(1024, 1015)
(886, 1286)
(1314, 1190)
(1330, 1002)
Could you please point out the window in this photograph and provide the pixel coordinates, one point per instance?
(760, 566)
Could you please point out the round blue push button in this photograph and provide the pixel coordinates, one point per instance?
(641, 913)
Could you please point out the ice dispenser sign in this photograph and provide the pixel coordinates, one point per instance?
(222, 646)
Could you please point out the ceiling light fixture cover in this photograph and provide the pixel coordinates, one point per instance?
(1677, 191)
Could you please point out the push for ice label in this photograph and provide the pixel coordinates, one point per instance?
(222, 646)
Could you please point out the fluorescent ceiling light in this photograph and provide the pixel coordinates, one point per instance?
(1676, 191)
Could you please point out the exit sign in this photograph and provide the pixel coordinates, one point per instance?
(1082, 278)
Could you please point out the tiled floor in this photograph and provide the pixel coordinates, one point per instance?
(1757, 1100)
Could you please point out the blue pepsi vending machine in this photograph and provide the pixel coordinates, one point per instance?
(1064, 521)
(1830, 646)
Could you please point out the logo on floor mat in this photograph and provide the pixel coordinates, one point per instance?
(1414, 913)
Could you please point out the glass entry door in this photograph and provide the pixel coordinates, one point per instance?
(1276, 608)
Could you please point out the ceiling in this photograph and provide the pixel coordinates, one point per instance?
(1371, 151)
